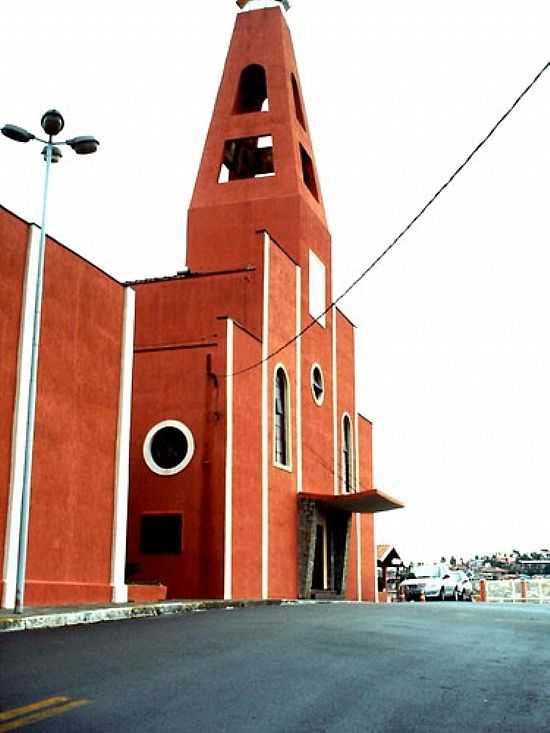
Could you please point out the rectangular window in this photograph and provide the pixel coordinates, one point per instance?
(161, 534)
(317, 288)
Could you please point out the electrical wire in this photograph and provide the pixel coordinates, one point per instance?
(401, 234)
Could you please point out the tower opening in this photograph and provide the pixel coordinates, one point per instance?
(308, 172)
(297, 102)
(247, 157)
(252, 91)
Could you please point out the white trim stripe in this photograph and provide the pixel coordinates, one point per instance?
(299, 478)
(265, 428)
(228, 554)
(356, 421)
(359, 569)
(375, 562)
(11, 547)
(122, 469)
(334, 402)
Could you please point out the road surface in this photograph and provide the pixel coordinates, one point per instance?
(324, 667)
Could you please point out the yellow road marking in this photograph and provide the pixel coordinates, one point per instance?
(50, 712)
(16, 712)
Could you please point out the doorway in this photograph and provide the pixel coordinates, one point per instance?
(321, 574)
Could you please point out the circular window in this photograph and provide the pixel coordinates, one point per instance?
(317, 384)
(168, 447)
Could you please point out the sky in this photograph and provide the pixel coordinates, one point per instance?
(453, 351)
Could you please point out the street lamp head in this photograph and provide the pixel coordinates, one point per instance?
(18, 134)
(84, 144)
(52, 122)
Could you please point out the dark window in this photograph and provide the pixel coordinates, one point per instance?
(247, 157)
(169, 447)
(308, 172)
(252, 92)
(281, 418)
(347, 455)
(161, 534)
(317, 385)
(297, 102)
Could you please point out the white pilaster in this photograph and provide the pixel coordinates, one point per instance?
(266, 457)
(359, 569)
(122, 470)
(299, 477)
(334, 403)
(356, 418)
(228, 550)
(21, 404)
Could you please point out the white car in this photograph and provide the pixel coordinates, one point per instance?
(434, 581)
(464, 588)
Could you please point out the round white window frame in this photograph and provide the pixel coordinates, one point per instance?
(320, 401)
(148, 456)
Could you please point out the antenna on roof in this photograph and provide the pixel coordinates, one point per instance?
(258, 4)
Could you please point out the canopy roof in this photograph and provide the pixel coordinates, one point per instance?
(362, 502)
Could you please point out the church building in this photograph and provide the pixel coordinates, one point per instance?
(230, 390)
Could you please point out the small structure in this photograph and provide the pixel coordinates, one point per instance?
(388, 563)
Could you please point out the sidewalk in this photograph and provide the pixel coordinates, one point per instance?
(50, 618)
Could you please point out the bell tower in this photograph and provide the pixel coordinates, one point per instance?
(258, 168)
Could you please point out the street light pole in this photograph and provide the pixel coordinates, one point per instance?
(52, 123)
(29, 432)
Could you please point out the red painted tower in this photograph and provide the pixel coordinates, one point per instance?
(249, 472)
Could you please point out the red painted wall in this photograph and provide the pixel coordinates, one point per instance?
(188, 309)
(175, 384)
(346, 384)
(70, 533)
(368, 547)
(247, 474)
(283, 528)
(368, 550)
(179, 365)
(13, 251)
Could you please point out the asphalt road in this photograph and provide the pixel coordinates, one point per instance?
(326, 667)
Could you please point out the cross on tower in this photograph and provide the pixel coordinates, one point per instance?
(262, 3)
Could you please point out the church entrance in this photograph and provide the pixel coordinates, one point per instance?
(324, 537)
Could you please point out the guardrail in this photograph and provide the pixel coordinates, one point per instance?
(514, 591)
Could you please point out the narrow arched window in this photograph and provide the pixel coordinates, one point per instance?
(281, 419)
(347, 456)
(252, 91)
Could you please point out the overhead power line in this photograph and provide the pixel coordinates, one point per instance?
(402, 233)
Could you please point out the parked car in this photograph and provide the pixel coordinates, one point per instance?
(463, 585)
(434, 581)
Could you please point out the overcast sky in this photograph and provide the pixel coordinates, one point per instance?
(453, 348)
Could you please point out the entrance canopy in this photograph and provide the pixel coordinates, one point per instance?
(362, 502)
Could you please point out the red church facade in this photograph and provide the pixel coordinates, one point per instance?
(265, 505)
(176, 441)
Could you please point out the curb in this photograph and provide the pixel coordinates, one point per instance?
(60, 618)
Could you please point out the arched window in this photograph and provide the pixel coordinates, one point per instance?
(347, 456)
(252, 91)
(281, 438)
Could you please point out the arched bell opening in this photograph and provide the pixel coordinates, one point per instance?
(252, 91)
